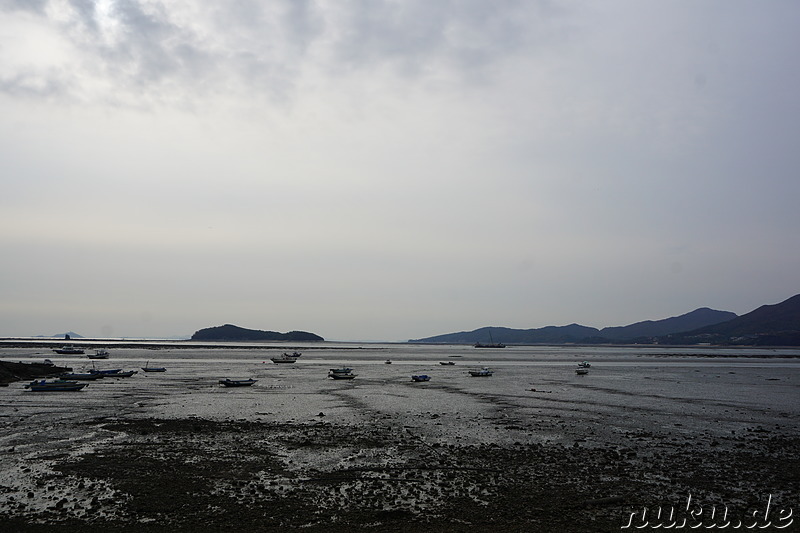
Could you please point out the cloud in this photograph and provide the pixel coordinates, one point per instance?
(125, 50)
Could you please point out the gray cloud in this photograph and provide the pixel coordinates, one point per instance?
(147, 47)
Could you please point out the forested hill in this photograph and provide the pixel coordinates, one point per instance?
(229, 332)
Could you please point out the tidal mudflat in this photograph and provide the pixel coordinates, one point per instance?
(534, 447)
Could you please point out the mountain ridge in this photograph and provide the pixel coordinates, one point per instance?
(776, 325)
(574, 333)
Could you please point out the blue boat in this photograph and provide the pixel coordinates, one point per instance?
(83, 376)
(148, 368)
(59, 385)
(421, 377)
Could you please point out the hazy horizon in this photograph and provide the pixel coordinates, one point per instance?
(380, 170)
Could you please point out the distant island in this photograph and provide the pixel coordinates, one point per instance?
(769, 325)
(229, 332)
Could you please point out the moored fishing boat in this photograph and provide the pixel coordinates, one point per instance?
(69, 349)
(237, 382)
(341, 373)
(148, 368)
(482, 373)
(59, 385)
(100, 353)
(285, 358)
(83, 376)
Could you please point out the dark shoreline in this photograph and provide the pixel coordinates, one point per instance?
(11, 372)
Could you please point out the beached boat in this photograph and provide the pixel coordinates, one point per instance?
(285, 358)
(106, 372)
(69, 349)
(102, 353)
(585, 364)
(342, 370)
(581, 371)
(421, 377)
(482, 373)
(83, 376)
(148, 368)
(121, 374)
(237, 382)
(338, 374)
(48, 362)
(447, 363)
(388, 362)
(59, 385)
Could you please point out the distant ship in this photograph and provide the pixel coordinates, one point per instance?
(490, 344)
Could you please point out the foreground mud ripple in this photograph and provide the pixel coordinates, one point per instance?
(200, 475)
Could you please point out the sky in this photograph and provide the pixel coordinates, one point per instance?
(393, 169)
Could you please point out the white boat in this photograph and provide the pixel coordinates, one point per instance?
(341, 373)
(285, 358)
(101, 353)
(585, 364)
(69, 349)
(482, 373)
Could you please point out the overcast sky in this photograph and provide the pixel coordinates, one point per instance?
(386, 170)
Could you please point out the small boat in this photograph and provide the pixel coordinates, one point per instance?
(102, 353)
(341, 375)
(585, 364)
(388, 362)
(48, 362)
(148, 368)
(482, 373)
(581, 371)
(59, 385)
(121, 374)
(83, 376)
(69, 349)
(342, 370)
(106, 372)
(285, 358)
(421, 377)
(237, 382)
(447, 363)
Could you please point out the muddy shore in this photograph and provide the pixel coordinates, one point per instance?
(296, 452)
(199, 475)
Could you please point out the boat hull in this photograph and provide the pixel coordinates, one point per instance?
(237, 382)
(55, 386)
